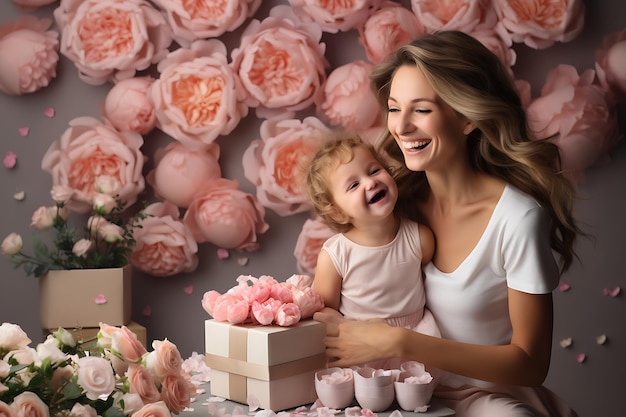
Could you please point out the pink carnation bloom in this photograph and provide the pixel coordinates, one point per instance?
(348, 99)
(335, 16)
(110, 40)
(198, 96)
(89, 149)
(225, 216)
(165, 246)
(275, 163)
(610, 64)
(310, 240)
(463, 15)
(539, 24)
(577, 109)
(387, 29)
(180, 172)
(191, 21)
(281, 62)
(127, 106)
(28, 55)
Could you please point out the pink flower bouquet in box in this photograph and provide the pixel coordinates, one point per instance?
(265, 301)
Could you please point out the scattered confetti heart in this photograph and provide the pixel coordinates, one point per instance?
(581, 357)
(100, 299)
(19, 196)
(23, 131)
(565, 343)
(10, 159)
(242, 261)
(564, 286)
(49, 112)
(222, 254)
(601, 339)
(188, 289)
(147, 311)
(613, 292)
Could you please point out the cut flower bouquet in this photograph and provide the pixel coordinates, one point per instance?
(106, 242)
(111, 376)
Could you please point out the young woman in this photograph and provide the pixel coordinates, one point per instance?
(499, 209)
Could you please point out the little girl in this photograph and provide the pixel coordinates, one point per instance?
(372, 268)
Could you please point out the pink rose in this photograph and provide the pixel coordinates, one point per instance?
(80, 410)
(276, 162)
(577, 109)
(610, 64)
(225, 216)
(164, 360)
(387, 29)
(309, 243)
(334, 16)
(127, 106)
(281, 62)
(348, 99)
(12, 245)
(156, 409)
(165, 245)
(308, 301)
(12, 337)
(103, 203)
(176, 393)
(134, 37)
(198, 96)
(74, 161)
(107, 184)
(142, 383)
(95, 376)
(5, 409)
(28, 404)
(263, 313)
(29, 5)
(287, 315)
(191, 21)
(126, 344)
(43, 218)
(61, 193)
(28, 55)
(23, 356)
(539, 24)
(82, 247)
(460, 15)
(179, 172)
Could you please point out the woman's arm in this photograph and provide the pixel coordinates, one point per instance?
(524, 361)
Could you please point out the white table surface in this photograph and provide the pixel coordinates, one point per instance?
(199, 408)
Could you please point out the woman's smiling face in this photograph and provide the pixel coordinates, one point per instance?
(429, 133)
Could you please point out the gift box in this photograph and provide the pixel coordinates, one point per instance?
(86, 333)
(275, 364)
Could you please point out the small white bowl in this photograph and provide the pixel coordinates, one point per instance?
(336, 396)
(412, 396)
(375, 393)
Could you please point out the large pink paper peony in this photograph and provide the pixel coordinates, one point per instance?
(335, 16)
(387, 29)
(611, 64)
(110, 40)
(281, 62)
(127, 106)
(198, 97)
(463, 15)
(89, 149)
(540, 23)
(180, 172)
(191, 21)
(225, 216)
(348, 99)
(28, 55)
(276, 162)
(165, 246)
(577, 109)
(309, 244)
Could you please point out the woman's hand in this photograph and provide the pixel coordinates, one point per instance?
(352, 342)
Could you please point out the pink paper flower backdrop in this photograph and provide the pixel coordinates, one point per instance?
(169, 70)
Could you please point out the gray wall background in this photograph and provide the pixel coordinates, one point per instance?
(595, 387)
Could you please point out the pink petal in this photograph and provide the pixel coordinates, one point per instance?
(188, 289)
(581, 357)
(49, 112)
(565, 343)
(613, 292)
(23, 131)
(100, 299)
(564, 286)
(222, 254)
(242, 261)
(253, 402)
(601, 339)
(19, 195)
(147, 311)
(10, 159)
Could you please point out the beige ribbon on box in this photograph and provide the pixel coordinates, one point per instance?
(239, 369)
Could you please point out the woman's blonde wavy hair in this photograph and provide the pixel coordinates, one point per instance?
(473, 82)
